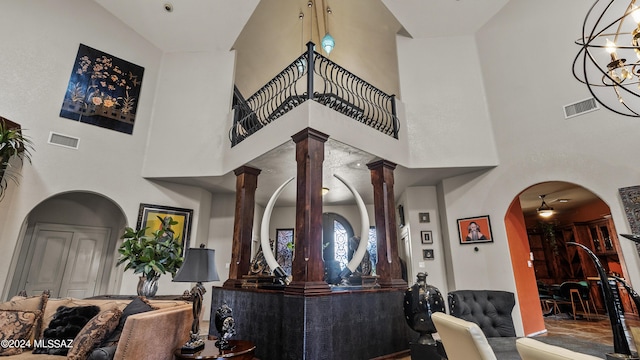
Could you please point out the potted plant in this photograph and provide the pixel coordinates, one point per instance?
(151, 256)
(14, 146)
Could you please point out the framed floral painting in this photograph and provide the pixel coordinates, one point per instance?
(103, 90)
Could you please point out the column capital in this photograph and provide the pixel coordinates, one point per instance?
(381, 164)
(310, 133)
(247, 170)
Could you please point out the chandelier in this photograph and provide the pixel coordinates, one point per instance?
(609, 59)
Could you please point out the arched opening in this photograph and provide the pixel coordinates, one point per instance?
(336, 232)
(541, 257)
(69, 247)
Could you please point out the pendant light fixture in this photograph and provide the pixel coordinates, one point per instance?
(328, 43)
(544, 210)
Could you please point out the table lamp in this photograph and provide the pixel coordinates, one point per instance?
(199, 266)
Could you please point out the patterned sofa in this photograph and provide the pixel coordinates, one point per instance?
(93, 329)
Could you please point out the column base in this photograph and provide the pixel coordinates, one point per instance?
(393, 283)
(307, 288)
(232, 284)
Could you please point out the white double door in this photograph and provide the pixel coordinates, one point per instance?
(66, 260)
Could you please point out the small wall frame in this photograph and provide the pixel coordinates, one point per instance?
(428, 254)
(426, 237)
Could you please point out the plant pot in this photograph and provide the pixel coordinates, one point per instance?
(148, 287)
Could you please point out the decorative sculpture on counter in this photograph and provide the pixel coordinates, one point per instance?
(420, 301)
(363, 269)
(225, 325)
(259, 265)
(620, 343)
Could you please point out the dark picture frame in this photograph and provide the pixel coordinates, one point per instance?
(401, 215)
(428, 254)
(103, 90)
(426, 236)
(424, 217)
(148, 218)
(480, 223)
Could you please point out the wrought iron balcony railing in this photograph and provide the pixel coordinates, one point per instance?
(328, 84)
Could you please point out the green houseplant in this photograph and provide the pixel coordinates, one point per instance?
(151, 256)
(13, 145)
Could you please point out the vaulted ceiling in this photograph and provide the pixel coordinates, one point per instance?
(224, 25)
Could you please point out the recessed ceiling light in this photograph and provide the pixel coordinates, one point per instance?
(563, 200)
(168, 7)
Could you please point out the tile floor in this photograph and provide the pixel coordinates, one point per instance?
(597, 329)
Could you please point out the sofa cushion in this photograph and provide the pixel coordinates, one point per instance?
(93, 333)
(16, 325)
(136, 306)
(103, 353)
(63, 328)
(31, 303)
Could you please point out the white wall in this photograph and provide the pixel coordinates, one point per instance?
(190, 115)
(527, 72)
(446, 114)
(490, 100)
(416, 200)
(37, 52)
(220, 239)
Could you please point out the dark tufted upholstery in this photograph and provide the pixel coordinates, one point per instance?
(490, 309)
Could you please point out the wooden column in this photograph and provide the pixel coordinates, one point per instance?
(307, 269)
(246, 185)
(388, 267)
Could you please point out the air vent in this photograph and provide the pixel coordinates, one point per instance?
(63, 140)
(580, 107)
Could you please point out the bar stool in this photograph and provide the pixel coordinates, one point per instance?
(585, 309)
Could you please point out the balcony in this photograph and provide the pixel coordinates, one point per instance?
(328, 84)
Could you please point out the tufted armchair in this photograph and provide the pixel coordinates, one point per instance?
(490, 309)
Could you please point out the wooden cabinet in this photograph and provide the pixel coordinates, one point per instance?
(600, 237)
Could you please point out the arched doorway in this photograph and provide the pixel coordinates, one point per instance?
(538, 247)
(69, 247)
(336, 232)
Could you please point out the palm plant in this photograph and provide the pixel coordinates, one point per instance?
(15, 148)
